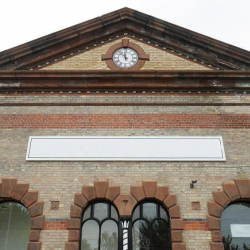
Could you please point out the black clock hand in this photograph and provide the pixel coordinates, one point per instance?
(125, 55)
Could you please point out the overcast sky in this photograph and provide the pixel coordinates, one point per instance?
(24, 20)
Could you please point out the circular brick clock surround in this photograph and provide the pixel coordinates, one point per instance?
(142, 56)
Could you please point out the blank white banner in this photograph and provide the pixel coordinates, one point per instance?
(125, 149)
(240, 230)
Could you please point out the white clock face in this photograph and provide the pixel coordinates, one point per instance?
(125, 57)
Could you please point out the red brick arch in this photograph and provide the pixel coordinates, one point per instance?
(238, 189)
(10, 190)
(125, 203)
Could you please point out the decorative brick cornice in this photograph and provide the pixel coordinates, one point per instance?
(107, 80)
(238, 189)
(10, 190)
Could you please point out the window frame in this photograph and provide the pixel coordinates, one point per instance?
(27, 210)
(150, 223)
(100, 223)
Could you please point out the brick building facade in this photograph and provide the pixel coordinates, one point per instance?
(62, 85)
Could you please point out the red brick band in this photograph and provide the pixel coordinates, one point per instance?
(188, 225)
(127, 121)
(195, 225)
(55, 225)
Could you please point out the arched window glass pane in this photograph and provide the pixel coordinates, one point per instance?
(150, 227)
(160, 235)
(163, 213)
(149, 211)
(109, 235)
(90, 235)
(114, 213)
(100, 211)
(141, 235)
(235, 226)
(136, 213)
(86, 214)
(14, 226)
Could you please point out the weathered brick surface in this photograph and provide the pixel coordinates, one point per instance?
(67, 97)
(60, 181)
(198, 240)
(159, 60)
(52, 239)
(55, 225)
(127, 121)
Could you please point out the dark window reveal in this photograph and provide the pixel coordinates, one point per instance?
(235, 226)
(14, 226)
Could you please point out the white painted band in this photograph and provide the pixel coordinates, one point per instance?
(125, 149)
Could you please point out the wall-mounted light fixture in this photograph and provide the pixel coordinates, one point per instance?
(192, 183)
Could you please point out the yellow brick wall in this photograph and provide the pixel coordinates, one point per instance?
(159, 60)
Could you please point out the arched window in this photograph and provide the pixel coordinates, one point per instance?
(235, 226)
(14, 226)
(150, 227)
(100, 227)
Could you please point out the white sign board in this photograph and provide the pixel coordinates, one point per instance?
(240, 230)
(125, 149)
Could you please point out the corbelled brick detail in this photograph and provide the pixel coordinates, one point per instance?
(216, 246)
(10, 190)
(221, 198)
(243, 186)
(36, 209)
(177, 224)
(175, 212)
(75, 211)
(125, 204)
(231, 190)
(37, 222)
(19, 190)
(7, 186)
(178, 246)
(71, 246)
(30, 198)
(113, 192)
(137, 192)
(170, 201)
(89, 192)
(80, 200)
(239, 188)
(214, 209)
(100, 190)
(35, 246)
(150, 190)
(176, 236)
(34, 235)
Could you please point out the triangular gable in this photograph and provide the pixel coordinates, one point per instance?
(196, 47)
(91, 59)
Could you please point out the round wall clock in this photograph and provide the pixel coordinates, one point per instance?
(126, 56)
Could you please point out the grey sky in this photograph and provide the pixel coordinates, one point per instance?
(26, 20)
